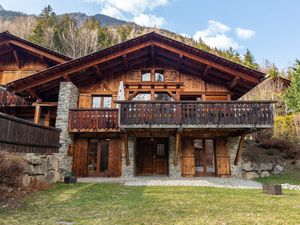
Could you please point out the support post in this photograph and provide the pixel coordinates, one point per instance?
(240, 150)
(126, 150)
(37, 113)
(176, 149)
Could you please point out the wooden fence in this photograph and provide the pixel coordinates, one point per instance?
(18, 135)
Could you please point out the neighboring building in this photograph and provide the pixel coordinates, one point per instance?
(148, 106)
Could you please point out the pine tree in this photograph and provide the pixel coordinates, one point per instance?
(292, 95)
(249, 60)
(271, 70)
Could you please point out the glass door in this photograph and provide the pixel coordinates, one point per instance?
(204, 157)
(98, 157)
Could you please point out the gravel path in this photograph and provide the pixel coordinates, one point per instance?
(166, 181)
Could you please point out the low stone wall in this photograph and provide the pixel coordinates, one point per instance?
(42, 168)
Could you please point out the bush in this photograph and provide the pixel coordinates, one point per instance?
(12, 168)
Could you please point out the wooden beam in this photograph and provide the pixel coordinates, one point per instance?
(48, 104)
(98, 71)
(176, 149)
(37, 113)
(33, 93)
(152, 55)
(125, 61)
(37, 51)
(47, 118)
(126, 150)
(208, 62)
(233, 83)
(84, 66)
(179, 62)
(17, 58)
(239, 150)
(66, 78)
(205, 72)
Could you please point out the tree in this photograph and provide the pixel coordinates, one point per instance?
(249, 60)
(292, 95)
(45, 32)
(271, 69)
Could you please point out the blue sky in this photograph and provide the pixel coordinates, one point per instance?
(269, 28)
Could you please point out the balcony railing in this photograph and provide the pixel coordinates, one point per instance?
(93, 120)
(218, 114)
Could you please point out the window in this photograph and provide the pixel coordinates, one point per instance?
(160, 150)
(102, 101)
(162, 96)
(159, 76)
(146, 76)
(143, 96)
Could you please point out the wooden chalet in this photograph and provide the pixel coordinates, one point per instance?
(148, 106)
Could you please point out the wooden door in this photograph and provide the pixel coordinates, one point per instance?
(152, 156)
(144, 157)
(160, 156)
(115, 158)
(204, 157)
(188, 158)
(80, 157)
(222, 157)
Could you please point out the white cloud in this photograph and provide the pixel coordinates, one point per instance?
(134, 7)
(111, 11)
(149, 20)
(215, 36)
(139, 9)
(244, 33)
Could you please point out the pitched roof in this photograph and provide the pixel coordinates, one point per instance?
(6, 37)
(219, 68)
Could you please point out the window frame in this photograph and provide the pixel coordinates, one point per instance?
(102, 101)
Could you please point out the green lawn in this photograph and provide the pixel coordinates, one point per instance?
(117, 204)
(291, 177)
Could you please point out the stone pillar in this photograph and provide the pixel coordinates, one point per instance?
(174, 171)
(68, 98)
(233, 143)
(129, 171)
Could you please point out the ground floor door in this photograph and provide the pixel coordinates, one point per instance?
(97, 157)
(204, 157)
(152, 156)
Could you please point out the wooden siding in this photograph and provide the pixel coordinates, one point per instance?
(188, 158)
(18, 135)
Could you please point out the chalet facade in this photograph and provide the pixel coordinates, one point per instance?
(148, 106)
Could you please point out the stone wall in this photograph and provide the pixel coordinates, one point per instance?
(250, 168)
(43, 168)
(129, 171)
(174, 171)
(233, 143)
(68, 98)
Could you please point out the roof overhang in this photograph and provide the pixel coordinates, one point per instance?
(146, 50)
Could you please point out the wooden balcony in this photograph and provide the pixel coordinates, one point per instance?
(188, 114)
(93, 120)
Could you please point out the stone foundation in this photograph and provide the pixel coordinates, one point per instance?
(129, 171)
(233, 144)
(68, 97)
(174, 171)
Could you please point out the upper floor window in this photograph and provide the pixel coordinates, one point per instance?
(146, 76)
(102, 101)
(142, 96)
(159, 76)
(163, 96)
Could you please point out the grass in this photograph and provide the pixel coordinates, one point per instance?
(117, 204)
(291, 177)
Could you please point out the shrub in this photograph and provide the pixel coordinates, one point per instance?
(12, 168)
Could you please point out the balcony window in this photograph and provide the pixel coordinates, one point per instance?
(146, 76)
(102, 101)
(163, 96)
(159, 76)
(143, 96)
